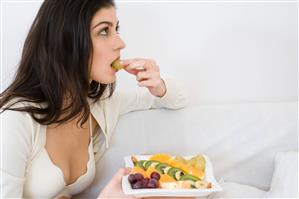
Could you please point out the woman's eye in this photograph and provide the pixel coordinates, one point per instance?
(104, 31)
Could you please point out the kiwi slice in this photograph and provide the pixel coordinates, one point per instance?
(176, 173)
(160, 167)
(189, 177)
(116, 64)
(140, 164)
(149, 163)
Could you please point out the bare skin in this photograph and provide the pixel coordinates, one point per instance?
(67, 147)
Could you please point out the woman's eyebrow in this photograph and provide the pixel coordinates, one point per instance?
(105, 22)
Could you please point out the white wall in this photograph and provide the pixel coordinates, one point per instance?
(221, 52)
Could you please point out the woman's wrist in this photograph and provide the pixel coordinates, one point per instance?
(160, 90)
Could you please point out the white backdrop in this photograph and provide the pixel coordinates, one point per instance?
(227, 52)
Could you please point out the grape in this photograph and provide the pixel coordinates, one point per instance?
(138, 176)
(132, 179)
(137, 185)
(155, 175)
(145, 182)
(153, 183)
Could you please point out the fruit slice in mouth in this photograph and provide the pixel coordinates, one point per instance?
(116, 64)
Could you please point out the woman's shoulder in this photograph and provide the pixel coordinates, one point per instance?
(16, 120)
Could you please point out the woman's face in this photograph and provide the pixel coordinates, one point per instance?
(106, 44)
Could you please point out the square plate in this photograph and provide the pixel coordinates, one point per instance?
(209, 177)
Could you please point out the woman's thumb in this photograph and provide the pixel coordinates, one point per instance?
(121, 172)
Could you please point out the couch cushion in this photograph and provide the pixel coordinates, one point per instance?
(285, 177)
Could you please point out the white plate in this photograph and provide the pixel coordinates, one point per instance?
(170, 192)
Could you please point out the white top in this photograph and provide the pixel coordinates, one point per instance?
(42, 170)
(26, 169)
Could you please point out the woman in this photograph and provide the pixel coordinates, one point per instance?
(60, 111)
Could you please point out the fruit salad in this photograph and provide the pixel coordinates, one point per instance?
(164, 171)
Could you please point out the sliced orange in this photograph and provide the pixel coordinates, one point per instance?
(186, 168)
(161, 157)
(139, 170)
(166, 178)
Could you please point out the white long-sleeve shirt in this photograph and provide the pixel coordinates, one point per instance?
(24, 139)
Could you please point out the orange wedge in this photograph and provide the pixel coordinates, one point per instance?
(166, 178)
(161, 157)
(139, 170)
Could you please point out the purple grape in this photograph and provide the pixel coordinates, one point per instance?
(153, 183)
(137, 185)
(145, 182)
(132, 179)
(155, 175)
(139, 176)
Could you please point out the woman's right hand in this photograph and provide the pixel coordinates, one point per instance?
(114, 189)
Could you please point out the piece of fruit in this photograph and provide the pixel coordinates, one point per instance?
(186, 168)
(186, 184)
(138, 185)
(149, 171)
(132, 179)
(166, 178)
(155, 175)
(203, 184)
(180, 159)
(151, 163)
(162, 167)
(189, 177)
(139, 170)
(175, 173)
(153, 183)
(116, 64)
(161, 157)
(140, 164)
(145, 182)
(198, 162)
(139, 176)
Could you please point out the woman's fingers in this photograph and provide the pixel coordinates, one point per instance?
(136, 65)
(149, 83)
(139, 64)
(147, 73)
(126, 62)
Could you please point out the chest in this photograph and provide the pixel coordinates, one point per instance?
(68, 148)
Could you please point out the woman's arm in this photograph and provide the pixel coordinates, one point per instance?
(155, 92)
(16, 144)
(142, 99)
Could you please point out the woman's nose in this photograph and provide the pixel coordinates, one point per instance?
(119, 43)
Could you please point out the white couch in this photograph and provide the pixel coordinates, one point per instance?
(240, 139)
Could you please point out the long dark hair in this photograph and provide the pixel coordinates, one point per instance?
(56, 61)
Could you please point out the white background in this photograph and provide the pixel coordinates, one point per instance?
(221, 52)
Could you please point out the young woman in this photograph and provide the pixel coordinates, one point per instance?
(61, 109)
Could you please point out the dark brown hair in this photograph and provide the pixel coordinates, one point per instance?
(55, 62)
